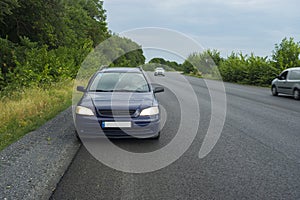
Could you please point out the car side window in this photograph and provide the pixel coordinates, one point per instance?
(283, 76)
(294, 75)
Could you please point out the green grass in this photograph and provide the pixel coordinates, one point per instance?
(22, 112)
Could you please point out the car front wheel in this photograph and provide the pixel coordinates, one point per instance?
(297, 94)
(274, 91)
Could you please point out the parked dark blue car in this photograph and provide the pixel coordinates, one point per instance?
(118, 103)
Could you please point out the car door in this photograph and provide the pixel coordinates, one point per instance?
(282, 86)
(293, 80)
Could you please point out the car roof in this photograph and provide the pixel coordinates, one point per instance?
(122, 69)
(293, 68)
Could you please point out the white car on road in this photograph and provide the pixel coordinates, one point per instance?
(159, 71)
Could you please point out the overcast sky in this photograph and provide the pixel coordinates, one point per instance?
(226, 25)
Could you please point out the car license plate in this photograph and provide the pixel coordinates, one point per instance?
(116, 124)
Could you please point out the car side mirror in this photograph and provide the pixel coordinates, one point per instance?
(159, 89)
(81, 89)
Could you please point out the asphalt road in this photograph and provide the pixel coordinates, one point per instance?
(256, 157)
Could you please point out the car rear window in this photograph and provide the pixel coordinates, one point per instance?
(119, 82)
(295, 75)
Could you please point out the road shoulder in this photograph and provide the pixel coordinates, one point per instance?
(31, 167)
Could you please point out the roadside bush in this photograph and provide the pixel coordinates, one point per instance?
(233, 69)
(252, 70)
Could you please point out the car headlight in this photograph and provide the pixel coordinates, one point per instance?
(150, 111)
(80, 110)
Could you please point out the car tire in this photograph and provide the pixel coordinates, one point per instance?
(274, 91)
(297, 94)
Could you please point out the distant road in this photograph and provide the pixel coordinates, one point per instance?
(256, 157)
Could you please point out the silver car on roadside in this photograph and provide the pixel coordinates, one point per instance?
(288, 82)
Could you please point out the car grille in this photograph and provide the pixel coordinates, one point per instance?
(116, 113)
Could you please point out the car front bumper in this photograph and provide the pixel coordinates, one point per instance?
(90, 127)
(159, 73)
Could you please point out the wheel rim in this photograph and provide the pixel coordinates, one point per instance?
(274, 90)
(296, 94)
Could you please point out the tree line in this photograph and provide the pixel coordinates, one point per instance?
(42, 42)
(239, 67)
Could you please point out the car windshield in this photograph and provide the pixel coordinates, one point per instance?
(119, 82)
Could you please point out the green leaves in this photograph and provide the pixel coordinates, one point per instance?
(286, 54)
(6, 8)
(257, 70)
(46, 41)
(166, 64)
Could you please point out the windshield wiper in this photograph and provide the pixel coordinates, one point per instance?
(140, 91)
(101, 90)
(123, 90)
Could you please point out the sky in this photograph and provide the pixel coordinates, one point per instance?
(226, 25)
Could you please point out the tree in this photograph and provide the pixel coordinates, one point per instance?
(55, 22)
(234, 68)
(46, 41)
(286, 54)
(166, 64)
(188, 67)
(215, 55)
(6, 7)
(205, 61)
(123, 52)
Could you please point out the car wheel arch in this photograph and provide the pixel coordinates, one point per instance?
(274, 93)
(294, 90)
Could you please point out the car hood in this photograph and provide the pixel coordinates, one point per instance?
(119, 100)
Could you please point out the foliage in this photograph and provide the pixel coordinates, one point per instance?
(245, 69)
(201, 61)
(257, 70)
(188, 67)
(286, 54)
(133, 58)
(114, 52)
(128, 54)
(163, 62)
(46, 41)
(253, 70)
(6, 8)
(55, 22)
(237, 67)
(29, 64)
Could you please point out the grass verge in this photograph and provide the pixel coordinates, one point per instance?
(22, 112)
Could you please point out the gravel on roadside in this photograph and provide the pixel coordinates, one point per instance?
(31, 167)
